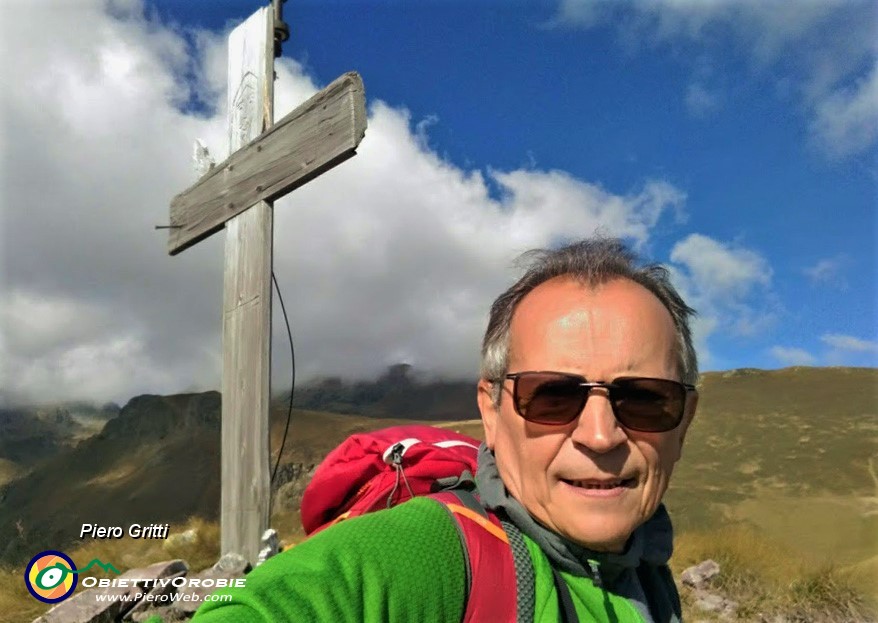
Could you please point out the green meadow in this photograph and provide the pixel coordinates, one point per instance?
(793, 453)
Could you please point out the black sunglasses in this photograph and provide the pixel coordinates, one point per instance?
(639, 403)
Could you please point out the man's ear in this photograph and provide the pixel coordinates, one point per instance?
(489, 412)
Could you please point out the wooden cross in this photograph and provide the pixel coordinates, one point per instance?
(266, 162)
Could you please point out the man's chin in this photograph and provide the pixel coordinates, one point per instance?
(601, 532)
(600, 541)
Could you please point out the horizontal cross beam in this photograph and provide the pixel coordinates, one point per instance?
(313, 138)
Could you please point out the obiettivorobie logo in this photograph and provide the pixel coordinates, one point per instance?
(51, 576)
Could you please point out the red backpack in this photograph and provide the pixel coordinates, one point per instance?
(383, 468)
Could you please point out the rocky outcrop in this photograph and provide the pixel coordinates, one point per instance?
(708, 600)
(290, 483)
(702, 589)
(155, 417)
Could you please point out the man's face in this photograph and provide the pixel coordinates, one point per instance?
(616, 329)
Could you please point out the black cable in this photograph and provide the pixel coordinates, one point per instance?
(281, 34)
(292, 382)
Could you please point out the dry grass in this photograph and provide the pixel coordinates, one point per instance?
(16, 604)
(9, 471)
(767, 579)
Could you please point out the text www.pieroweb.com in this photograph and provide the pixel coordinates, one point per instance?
(162, 598)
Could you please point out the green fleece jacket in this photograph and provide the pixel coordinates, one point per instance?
(406, 564)
(396, 566)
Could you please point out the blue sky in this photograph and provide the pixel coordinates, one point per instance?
(735, 140)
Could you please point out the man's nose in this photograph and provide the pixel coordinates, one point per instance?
(597, 428)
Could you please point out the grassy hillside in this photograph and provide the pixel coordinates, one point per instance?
(778, 478)
(792, 452)
(157, 462)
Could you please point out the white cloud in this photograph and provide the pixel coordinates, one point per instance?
(827, 270)
(849, 343)
(394, 255)
(729, 286)
(63, 348)
(767, 28)
(825, 47)
(721, 271)
(792, 356)
(540, 205)
(45, 324)
(846, 119)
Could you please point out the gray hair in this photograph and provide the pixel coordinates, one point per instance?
(593, 261)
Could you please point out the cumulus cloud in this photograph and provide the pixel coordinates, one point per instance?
(849, 343)
(394, 256)
(792, 356)
(825, 47)
(846, 119)
(720, 270)
(839, 349)
(729, 286)
(847, 350)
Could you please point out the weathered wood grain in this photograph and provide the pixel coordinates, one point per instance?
(313, 138)
(245, 490)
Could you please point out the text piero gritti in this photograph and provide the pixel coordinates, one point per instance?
(134, 531)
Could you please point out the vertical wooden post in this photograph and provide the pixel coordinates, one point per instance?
(247, 304)
(264, 164)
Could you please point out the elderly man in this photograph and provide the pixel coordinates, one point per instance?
(587, 390)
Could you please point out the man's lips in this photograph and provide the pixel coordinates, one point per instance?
(599, 484)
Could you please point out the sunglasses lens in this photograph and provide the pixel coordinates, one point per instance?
(547, 398)
(642, 404)
(649, 405)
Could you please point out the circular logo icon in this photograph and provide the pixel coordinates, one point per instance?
(50, 576)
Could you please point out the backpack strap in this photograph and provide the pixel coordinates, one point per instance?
(525, 577)
(491, 571)
(565, 602)
(524, 572)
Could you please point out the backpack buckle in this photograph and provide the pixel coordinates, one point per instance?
(393, 455)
